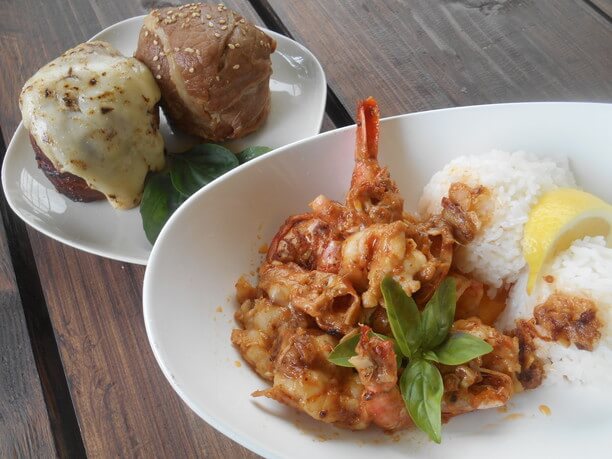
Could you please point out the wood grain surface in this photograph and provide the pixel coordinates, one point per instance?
(123, 403)
(603, 6)
(25, 429)
(419, 54)
(411, 55)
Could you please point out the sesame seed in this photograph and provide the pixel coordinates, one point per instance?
(189, 50)
(236, 67)
(208, 16)
(242, 21)
(198, 52)
(191, 69)
(158, 77)
(223, 27)
(159, 67)
(217, 78)
(261, 42)
(210, 24)
(146, 33)
(219, 8)
(230, 46)
(221, 21)
(155, 58)
(237, 45)
(155, 42)
(217, 34)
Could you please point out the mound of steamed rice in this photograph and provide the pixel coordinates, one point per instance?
(585, 269)
(515, 180)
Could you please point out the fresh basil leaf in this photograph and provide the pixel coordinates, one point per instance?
(250, 153)
(422, 388)
(431, 356)
(344, 351)
(404, 316)
(199, 166)
(159, 201)
(460, 348)
(439, 314)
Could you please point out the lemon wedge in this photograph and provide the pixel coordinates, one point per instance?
(560, 217)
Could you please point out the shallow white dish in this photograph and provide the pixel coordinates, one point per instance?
(214, 238)
(298, 89)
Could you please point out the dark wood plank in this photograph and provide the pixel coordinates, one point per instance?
(122, 401)
(605, 6)
(419, 54)
(25, 429)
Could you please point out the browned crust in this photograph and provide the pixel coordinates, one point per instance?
(225, 69)
(68, 184)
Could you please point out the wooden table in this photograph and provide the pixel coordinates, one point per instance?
(77, 376)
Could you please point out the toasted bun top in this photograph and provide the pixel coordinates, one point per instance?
(208, 56)
(92, 111)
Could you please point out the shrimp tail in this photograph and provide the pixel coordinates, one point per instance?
(368, 117)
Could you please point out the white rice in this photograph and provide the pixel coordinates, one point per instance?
(585, 269)
(515, 180)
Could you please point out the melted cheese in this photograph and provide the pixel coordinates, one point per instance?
(92, 112)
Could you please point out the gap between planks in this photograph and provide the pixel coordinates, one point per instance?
(339, 115)
(602, 7)
(62, 417)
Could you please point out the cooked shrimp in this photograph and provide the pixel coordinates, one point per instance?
(307, 241)
(381, 249)
(435, 240)
(464, 209)
(327, 297)
(306, 380)
(373, 196)
(373, 193)
(486, 382)
(377, 368)
(262, 323)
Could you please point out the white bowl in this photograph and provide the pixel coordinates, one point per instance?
(214, 238)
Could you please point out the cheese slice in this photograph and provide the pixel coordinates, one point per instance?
(93, 112)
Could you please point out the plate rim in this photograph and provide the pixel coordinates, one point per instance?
(112, 255)
(225, 428)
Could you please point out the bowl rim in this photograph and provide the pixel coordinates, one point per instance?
(223, 427)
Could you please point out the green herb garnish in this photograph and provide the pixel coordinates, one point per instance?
(420, 339)
(251, 153)
(186, 173)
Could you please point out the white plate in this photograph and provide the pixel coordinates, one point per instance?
(214, 238)
(298, 89)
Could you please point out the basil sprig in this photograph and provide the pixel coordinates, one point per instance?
(421, 387)
(186, 173)
(420, 340)
(424, 338)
